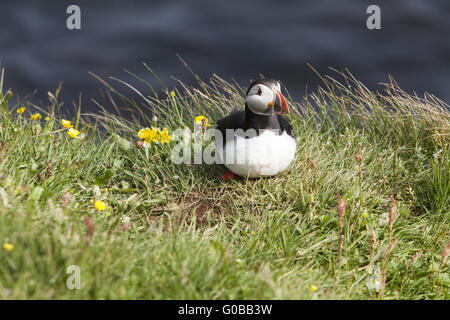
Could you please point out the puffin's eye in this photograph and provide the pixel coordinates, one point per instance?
(259, 92)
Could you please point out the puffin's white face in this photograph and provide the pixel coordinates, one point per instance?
(264, 100)
(259, 97)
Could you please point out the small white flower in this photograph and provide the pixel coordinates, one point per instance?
(125, 219)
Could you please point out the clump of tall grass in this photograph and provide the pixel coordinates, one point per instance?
(101, 200)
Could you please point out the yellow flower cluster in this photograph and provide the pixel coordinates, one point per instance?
(8, 246)
(73, 133)
(164, 136)
(154, 135)
(201, 119)
(21, 110)
(100, 205)
(36, 116)
(66, 123)
(148, 135)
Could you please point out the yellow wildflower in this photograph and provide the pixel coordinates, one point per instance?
(141, 133)
(73, 132)
(313, 288)
(8, 246)
(47, 118)
(164, 136)
(148, 135)
(364, 214)
(200, 119)
(66, 123)
(100, 205)
(36, 116)
(172, 94)
(21, 110)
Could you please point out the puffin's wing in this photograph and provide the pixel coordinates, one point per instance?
(286, 126)
(235, 120)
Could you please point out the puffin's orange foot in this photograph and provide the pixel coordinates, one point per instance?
(228, 176)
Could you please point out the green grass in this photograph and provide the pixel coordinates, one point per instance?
(194, 236)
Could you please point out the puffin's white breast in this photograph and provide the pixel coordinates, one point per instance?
(264, 155)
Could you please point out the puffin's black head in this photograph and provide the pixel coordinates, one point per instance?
(264, 97)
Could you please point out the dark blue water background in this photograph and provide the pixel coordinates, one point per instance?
(235, 39)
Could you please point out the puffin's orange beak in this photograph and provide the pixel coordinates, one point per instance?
(280, 104)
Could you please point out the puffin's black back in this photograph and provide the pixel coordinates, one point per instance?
(246, 119)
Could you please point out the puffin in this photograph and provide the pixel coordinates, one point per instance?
(257, 141)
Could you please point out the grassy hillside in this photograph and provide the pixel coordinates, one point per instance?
(178, 232)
